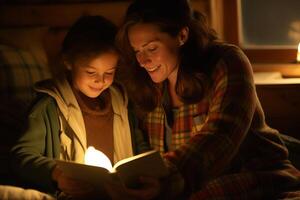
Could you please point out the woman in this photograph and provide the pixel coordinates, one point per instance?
(196, 99)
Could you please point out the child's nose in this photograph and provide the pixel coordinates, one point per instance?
(99, 78)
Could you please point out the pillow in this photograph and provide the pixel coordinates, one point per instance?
(12, 125)
(19, 70)
(13, 192)
(27, 38)
(293, 145)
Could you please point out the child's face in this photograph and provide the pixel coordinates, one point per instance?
(94, 76)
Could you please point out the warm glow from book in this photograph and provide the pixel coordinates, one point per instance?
(95, 157)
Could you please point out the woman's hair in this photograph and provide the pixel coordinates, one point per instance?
(88, 37)
(170, 16)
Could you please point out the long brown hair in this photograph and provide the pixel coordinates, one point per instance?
(170, 16)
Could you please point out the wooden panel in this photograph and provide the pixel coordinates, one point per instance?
(230, 15)
(66, 14)
(288, 70)
(216, 16)
(59, 14)
(59, 17)
(271, 55)
(281, 104)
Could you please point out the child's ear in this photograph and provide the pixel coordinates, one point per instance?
(68, 65)
(183, 35)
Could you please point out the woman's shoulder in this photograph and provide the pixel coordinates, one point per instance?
(224, 50)
(228, 59)
(228, 54)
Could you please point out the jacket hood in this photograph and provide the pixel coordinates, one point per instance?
(61, 91)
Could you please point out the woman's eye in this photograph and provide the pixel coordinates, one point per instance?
(152, 48)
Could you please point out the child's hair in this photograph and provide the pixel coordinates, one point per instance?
(88, 37)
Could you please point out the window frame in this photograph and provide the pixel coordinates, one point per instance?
(231, 27)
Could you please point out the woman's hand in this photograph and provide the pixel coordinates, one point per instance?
(150, 188)
(173, 184)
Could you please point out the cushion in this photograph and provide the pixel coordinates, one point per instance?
(27, 38)
(293, 145)
(12, 192)
(12, 124)
(22, 63)
(19, 70)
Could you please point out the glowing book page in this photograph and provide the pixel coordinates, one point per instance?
(127, 170)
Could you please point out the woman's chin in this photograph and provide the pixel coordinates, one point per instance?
(156, 79)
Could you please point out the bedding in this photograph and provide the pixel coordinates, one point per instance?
(293, 145)
(8, 192)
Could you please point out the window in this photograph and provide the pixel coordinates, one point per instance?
(269, 23)
(268, 31)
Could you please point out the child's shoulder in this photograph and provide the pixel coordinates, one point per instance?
(42, 103)
(119, 91)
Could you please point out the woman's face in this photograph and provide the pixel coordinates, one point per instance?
(92, 77)
(157, 52)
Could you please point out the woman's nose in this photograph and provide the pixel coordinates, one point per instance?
(143, 59)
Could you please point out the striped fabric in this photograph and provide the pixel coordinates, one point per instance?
(19, 70)
(188, 122)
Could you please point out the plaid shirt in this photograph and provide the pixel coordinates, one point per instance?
(223, 134)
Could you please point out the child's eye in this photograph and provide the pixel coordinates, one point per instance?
(110, 73)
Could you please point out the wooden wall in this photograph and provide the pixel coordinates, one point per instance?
(66, 14)
(58, 17)
(280, 102)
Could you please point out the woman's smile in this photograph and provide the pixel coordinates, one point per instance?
(152, 69)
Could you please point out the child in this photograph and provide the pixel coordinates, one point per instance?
(79, 109)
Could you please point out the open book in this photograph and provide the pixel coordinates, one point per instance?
(127, 170)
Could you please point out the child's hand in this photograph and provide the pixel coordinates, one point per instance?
(150, 188)
(75, 188)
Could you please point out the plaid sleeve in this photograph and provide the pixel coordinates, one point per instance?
(231, 110)
(19, 70)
